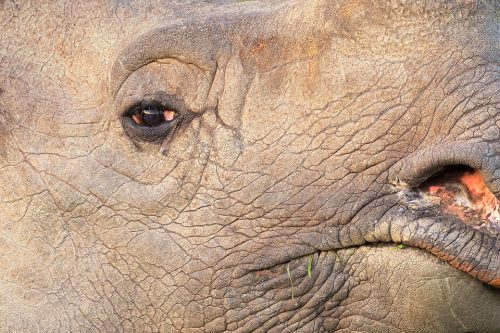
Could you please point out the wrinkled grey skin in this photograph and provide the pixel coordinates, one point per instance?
(306, 121)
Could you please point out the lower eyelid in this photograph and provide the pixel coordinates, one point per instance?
(145, 133)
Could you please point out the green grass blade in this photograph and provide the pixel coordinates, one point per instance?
(290, 278)
(309, 266)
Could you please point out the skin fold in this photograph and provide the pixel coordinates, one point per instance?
(299, 136)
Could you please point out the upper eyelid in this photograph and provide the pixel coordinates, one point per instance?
(165, 42)
(152, 82)
(195, 40)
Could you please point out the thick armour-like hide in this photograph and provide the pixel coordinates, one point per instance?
(317, 166)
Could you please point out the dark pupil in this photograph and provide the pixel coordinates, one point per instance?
(152, 117)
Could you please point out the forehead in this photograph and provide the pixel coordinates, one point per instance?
(62, 26)
(65, 25)
(71, 41)
(74, 42)
(49, 30)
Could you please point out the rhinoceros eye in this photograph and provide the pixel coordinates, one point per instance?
(152, 121)
(151, 115)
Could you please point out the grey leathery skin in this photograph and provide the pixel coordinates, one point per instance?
(282, 193)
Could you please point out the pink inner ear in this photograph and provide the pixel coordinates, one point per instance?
(169, 115)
